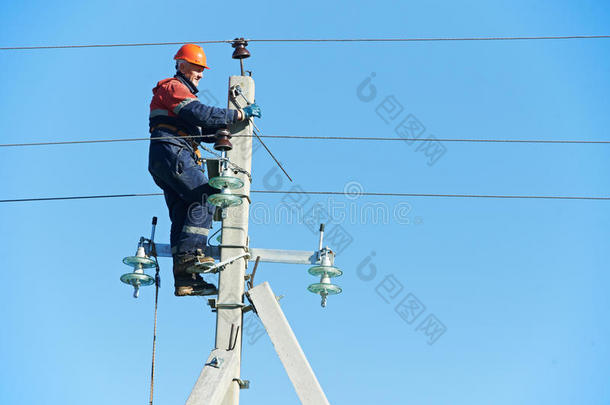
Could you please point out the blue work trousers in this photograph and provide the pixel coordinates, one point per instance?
(174, 167)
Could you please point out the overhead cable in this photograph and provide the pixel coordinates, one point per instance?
(80, 197)
(257, 133)
(338, 193)
(312, 40)
(435, 39)
(331, 138)
(37, 47)
(237, 91)
(364, 138)
(541, 197)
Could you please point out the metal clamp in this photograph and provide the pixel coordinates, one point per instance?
(220, 266)
(233, 247)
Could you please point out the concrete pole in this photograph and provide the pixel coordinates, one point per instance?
(229, 324)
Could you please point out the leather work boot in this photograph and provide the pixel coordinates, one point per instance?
(187, 284)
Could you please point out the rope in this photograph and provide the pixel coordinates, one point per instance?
(157, 285)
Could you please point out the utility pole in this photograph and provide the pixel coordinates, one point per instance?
(220, 379)
(235, 234)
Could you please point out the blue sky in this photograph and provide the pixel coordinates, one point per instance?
(519, 285)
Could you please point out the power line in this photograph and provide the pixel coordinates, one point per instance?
(434, 39)
(355, 138)
(358, 194)
(79, 142)
(29, 48)
(80, 197)
(350, 195)
(331, 138)
(313, 40)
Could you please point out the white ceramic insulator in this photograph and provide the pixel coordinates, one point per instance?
(141, 252)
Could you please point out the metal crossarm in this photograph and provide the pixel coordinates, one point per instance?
(266, 255)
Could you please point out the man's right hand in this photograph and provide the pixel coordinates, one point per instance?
(253, 110)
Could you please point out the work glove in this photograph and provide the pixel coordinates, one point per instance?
(253, 110)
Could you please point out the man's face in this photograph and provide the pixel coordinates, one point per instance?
(192, 72)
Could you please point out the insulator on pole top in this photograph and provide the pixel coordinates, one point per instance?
(225, 199)
(137, 277)
(223, 140)
(325, 270)
(240, 51)
(226, 181)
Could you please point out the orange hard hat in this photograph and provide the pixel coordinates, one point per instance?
(192, 53)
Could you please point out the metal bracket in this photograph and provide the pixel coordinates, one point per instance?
(250, 307)
(216, 362)
(215, 379)
(212, 303)
(245, 248)
(230, 305)
(243, 384)
(215, 306)
(247, 197)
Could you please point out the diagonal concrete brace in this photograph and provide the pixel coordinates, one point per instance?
(215, 378)
(287, 346)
